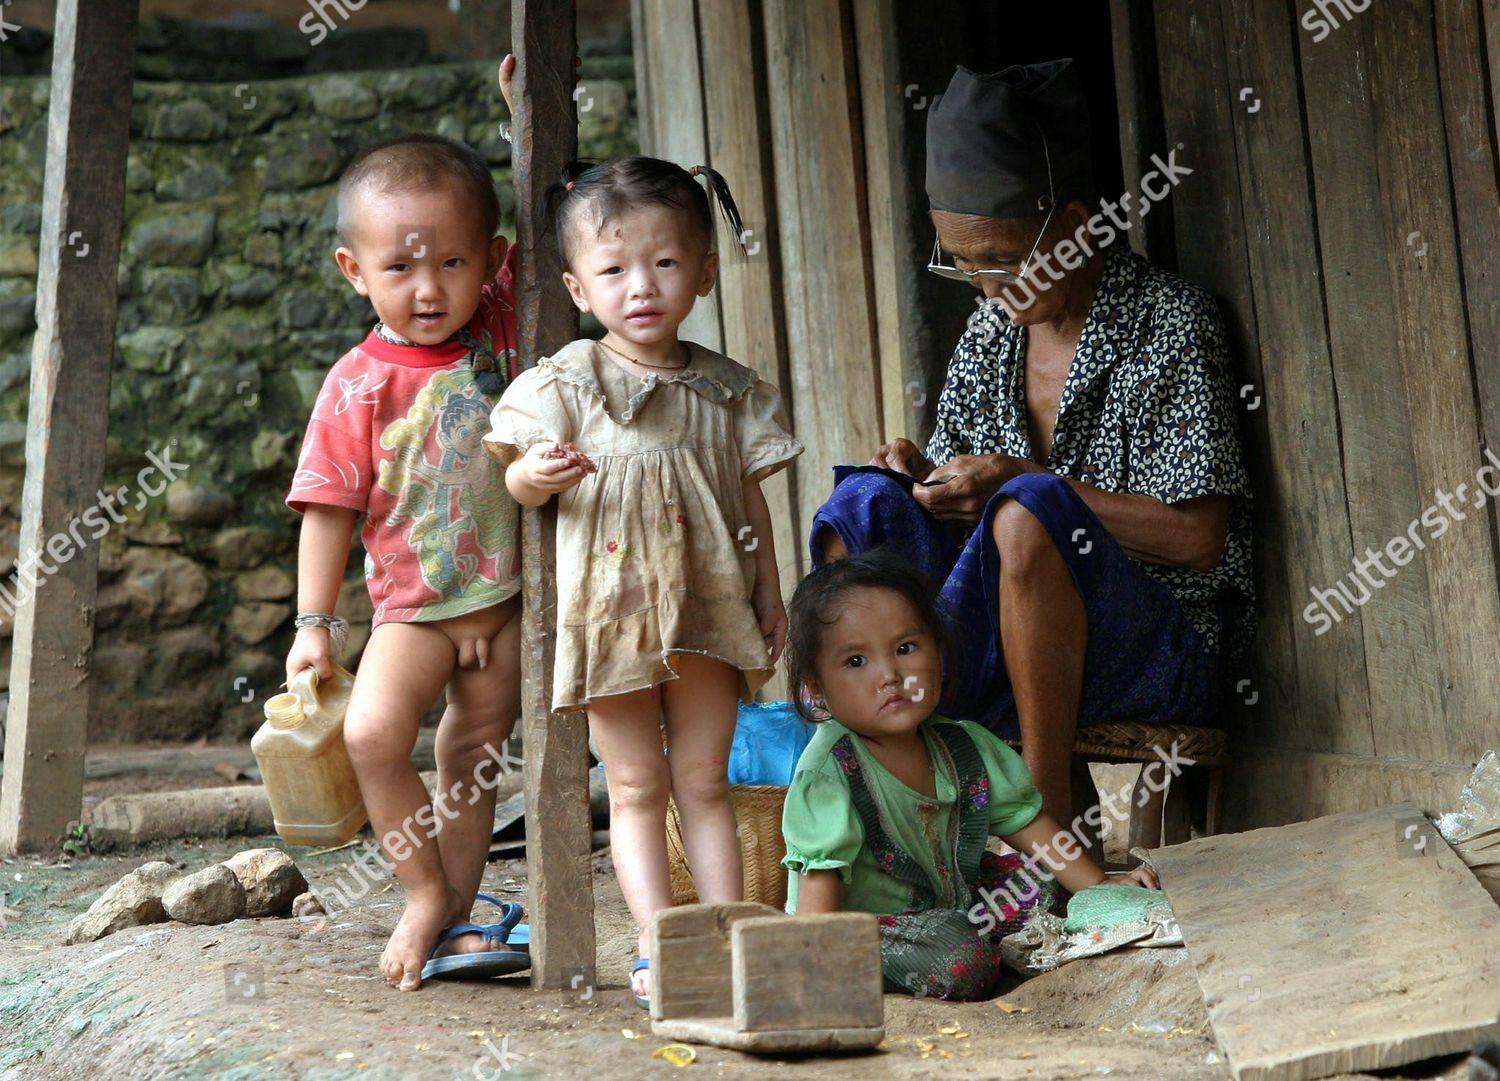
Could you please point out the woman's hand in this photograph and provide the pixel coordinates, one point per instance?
(310, 649)
(543, 471)
(959, 489)
(1139, 876)
(903, 456)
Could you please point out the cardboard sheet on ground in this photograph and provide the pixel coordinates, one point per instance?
(1343, 944)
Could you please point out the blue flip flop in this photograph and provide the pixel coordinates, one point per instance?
(483, 964)
(643, 1001)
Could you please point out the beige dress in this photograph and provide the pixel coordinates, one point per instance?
(655, 557)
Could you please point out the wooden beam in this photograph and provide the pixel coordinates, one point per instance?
(739, 146)
(671, 94)
(894, 262)
(824, 239)
(1301, 508)
(83, 211)
(554, 746)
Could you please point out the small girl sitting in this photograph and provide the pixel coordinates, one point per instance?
(669, 607)
(891, 805)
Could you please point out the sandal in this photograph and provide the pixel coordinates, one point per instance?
(482, 964)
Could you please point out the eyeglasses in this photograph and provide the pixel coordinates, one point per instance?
(1008, 277)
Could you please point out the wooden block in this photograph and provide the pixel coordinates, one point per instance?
(807, 972)
(1344, 944)
(721, 1033)
(690, 969)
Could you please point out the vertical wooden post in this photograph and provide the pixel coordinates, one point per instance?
(558, 827)
(83, 207)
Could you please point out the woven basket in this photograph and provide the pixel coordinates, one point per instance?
(757, 810)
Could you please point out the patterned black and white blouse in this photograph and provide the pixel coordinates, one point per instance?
(1146, 409)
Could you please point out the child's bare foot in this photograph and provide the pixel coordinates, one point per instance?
(411, 942)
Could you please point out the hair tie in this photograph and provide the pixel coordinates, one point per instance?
(693, 171)
(568, 186)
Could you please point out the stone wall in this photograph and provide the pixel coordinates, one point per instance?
(231, 312)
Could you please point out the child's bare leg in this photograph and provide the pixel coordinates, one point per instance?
(627, 732)
(700, 707)
(481, 711)
(403, 668)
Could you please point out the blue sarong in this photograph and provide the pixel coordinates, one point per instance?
(1144, 660)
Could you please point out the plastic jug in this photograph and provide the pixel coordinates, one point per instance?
(314, 794)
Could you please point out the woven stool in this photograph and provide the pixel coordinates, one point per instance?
(757, 811)
(1162, 819)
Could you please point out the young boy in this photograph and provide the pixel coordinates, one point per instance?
(395, 436)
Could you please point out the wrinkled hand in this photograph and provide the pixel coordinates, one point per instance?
(960, 488)
(310, 649)
(1140, 876)
(903, 456)
(770, 614)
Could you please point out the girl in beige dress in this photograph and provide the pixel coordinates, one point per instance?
(669, 608)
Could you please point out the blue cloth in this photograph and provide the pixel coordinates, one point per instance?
(1144, 660)
(769, 737)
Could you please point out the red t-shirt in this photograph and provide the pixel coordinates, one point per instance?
(396, 435)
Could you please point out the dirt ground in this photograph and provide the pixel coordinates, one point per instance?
(290, 998)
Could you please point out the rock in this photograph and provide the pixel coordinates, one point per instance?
(189, 120)
(271, 448)
(257, 621)
(354, 601)
(270, 879)
(198, 504)
(117, 666)
(133, 901)
(194, 182)
(307, 904)
(263, 249)
(152, 349)
(302, 310)
(420, 88)
(24, 218)
(180, 657)
(17, 257)
(212, 895)
(138, 175)
(241, 547)
(265, 584)
(177, 240)
(160, 584)
(344, 98)
(255, 288)
(18, 314)
(302, 161)
(169, 295)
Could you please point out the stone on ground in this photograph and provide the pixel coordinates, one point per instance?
(212, 895)
(270, 878)
(134, 900)
(307, 904)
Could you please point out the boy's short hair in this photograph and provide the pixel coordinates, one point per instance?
(414, 162)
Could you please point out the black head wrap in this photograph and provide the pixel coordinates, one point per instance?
(985, 141)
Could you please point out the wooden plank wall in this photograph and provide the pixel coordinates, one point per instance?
(1344, 211)
(795, 99)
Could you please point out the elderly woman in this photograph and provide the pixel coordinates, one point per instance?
(1083, 499)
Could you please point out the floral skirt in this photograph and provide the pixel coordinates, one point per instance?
(942, 953)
